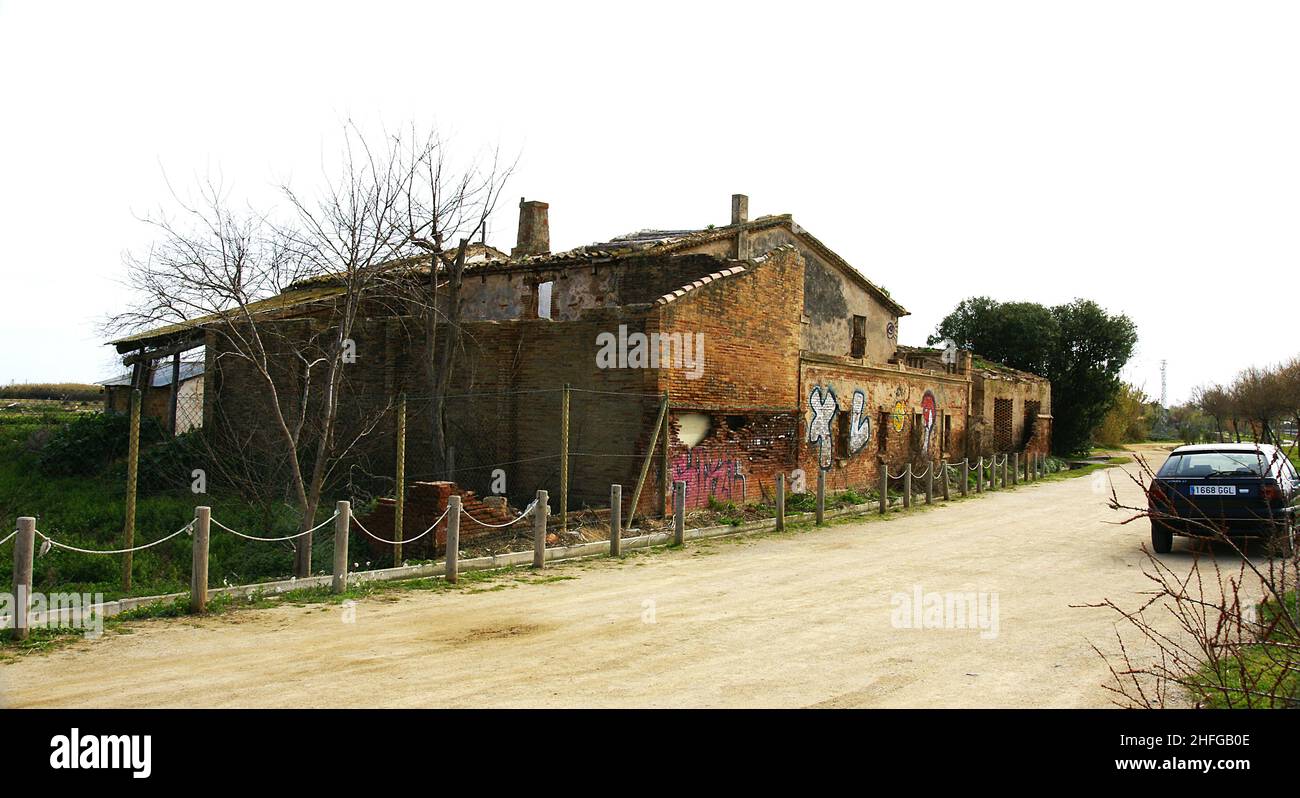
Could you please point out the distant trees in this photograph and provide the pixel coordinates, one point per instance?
(1256, 406)
(1078, 346)
(1129, 419)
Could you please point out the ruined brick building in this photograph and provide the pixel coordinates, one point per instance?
(799, 366)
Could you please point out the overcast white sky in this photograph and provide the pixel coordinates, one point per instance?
(1143, 154)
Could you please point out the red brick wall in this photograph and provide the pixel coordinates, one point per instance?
(892, 401)
(748, 384)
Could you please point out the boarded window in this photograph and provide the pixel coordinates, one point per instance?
(544, 292)
(947, 432)
(882, 437)
(1002, 425)
(858, 345)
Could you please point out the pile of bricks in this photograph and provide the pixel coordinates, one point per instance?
(425, 501)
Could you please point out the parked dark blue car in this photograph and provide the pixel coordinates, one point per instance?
(1238, 489)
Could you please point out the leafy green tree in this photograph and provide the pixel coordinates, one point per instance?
(1090, 349)
(1018, 334)
(1078, 346)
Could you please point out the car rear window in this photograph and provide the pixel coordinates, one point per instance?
(1214, 464)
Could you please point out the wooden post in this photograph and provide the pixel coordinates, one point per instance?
(399, 478)
(564, 460)
(780, 502)
(540, 513)
(1006, 470)
(661, 420)
(1015, 468)
(615, 520)
(664, 466)
(24, 548)
(965, 477)
(132, 471)
(174, 393)
(929, 484)
(342, 525)
(679, 513)
(199, 559)
(453, 538)
(979, 476)
(821, 496)
(884, 487)
(943, 469)
(907, 486)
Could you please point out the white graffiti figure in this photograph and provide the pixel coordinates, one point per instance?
(824, 407)
(859, 423)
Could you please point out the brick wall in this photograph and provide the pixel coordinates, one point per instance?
(895, 406)
(748, 385)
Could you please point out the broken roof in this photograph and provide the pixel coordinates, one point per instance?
(162, 376)
(291, 299)
(481, 256)
(671, 241)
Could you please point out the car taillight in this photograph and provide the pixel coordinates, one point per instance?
(1271, 493)
(1158, 494)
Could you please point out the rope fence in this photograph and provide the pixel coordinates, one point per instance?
(52, 542)
(1034, 466)
(237, 533)
(432, 526)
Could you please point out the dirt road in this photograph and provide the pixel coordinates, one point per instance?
(803, 619)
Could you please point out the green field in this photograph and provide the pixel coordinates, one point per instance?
(88, 512)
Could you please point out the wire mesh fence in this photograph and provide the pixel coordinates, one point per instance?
(497, 449)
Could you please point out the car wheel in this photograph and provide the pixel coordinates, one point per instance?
(1284, 542)
(1162, 538)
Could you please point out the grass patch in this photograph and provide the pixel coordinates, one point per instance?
(1268, 663)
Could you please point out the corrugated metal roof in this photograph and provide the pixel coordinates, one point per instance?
(162, 375)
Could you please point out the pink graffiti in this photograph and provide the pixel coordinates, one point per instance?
(718, 475)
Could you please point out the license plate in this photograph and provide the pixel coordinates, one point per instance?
(1214, 490)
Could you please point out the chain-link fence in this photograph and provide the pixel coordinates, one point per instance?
(497, 449)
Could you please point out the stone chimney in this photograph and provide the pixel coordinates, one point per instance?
(739, 209)
(534, 229)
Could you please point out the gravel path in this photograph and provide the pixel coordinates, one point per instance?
(803, 619)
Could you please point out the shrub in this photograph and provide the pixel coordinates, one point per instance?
(89, 443)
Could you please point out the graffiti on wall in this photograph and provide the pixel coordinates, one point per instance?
(859, 423)
(710, 474)
(824, 406)
(929, 413)
(898, 418)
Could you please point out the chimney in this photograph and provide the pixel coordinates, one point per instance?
(534, 229)
(739, 209)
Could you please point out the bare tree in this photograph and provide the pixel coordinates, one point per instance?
(1259, 396)
(359, 247)
(1216, 403)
